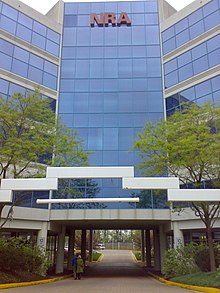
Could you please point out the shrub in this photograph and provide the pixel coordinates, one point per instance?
(180, 261)
(202, 258)
(18, 255)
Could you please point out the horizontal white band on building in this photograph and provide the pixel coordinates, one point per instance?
(150, 183)
(90, 172)
(193, 195)
(86, 200)
(30, 184)
(5, 195)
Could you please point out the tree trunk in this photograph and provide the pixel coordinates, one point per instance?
(211, 248)
(1, 208)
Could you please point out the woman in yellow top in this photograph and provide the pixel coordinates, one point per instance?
(79, 267)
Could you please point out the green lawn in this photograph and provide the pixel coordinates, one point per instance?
(211, 279)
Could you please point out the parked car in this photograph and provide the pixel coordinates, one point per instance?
(100, 246)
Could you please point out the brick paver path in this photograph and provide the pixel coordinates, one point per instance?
(116, 273)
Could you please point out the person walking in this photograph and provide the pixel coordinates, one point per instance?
(79, 267)
(74, 264)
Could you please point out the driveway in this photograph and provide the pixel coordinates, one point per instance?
(117, 272)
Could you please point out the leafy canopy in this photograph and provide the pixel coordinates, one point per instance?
(30, 134)
(186, 145)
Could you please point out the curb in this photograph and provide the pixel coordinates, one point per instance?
(185, 286)
(23, 284)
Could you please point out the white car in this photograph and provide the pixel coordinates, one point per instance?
(100, 246)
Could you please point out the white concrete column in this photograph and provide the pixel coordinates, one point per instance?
(163, 244)
(60, 250)
(142, 245)
(42, 236)
(156, 250)
(177, 235)
(70, 249)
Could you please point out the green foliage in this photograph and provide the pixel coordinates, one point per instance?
(201, 256)
(27, 132)
(189, 259)
(200, 279)
(30, 135)
(18, 255)
(187, 141)
(186, 146)
(180, 261)
(96, 255)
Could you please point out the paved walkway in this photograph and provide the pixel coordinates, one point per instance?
(116, 273)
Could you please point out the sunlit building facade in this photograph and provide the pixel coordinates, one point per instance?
(108, 68)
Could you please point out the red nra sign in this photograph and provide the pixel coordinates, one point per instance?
(109, 17)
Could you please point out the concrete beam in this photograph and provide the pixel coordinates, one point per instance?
(5, 195)
(30, 184)
(150, 183)
(90, 172)
(193, 195)
(86, 200)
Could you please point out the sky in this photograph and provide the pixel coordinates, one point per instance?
(44, 6)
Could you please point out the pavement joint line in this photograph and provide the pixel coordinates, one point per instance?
(185, 286)
(40, 282)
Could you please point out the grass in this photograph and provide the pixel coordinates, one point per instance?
(210, 279)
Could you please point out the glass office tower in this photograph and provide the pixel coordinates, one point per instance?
(111, 82)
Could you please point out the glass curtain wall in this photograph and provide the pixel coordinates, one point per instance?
(110, 87)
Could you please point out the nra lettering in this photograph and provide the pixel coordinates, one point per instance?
(109, 17)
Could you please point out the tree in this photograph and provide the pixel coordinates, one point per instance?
(31, 138)
(186, 146)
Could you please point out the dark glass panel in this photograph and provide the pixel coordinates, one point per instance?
(184, 58)
(25, 20)
(182, 38)
(19, 68)
(52, 48)
(53, 36)
(168, 33)
(24, 33)
(9, 11)
(185, 72)
(40, 28)
(200, 64)
(66, 103)
(195, 16)
(8, 24)
(170, 66)
(210, 7)
(4, 85)
(199, 51)
(38, 40)
(6, 47)
(68, 69)
(50, 68)
(35, 74)
(21, 54)
(203, 89)
(36, 61)
(70, 20)
(50, 81)
(212, 20)
(169, 45)
(81, 103)
(181, 25)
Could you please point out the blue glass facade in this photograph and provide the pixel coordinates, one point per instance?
(192, 62)
(111, 82)
(192, 26)
(204, 92)
(28, 65)
(28, 29)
